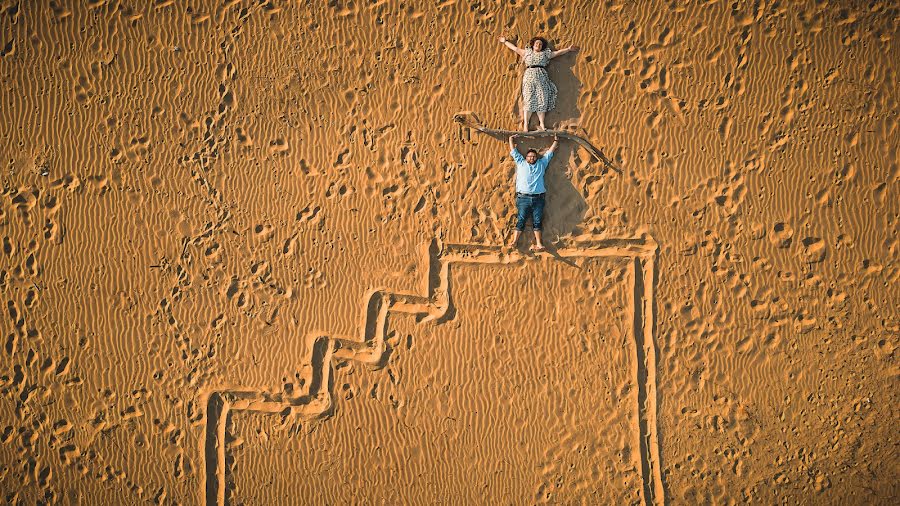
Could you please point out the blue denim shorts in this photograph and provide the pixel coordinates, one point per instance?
(530, 205)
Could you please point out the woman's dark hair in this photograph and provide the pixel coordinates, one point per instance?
(531, 42)
(532, 151)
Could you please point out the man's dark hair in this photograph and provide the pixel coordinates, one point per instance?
(531, 42)
(532, 151)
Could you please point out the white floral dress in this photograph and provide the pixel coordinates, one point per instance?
(538, 91)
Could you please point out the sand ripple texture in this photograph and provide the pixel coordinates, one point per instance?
(190, 188)
(524, 404)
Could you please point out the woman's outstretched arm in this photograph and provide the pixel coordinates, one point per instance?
(512, 47)
(570, 49)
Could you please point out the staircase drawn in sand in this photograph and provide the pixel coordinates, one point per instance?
(323, 350)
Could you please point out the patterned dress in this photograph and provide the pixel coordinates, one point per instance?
(538, 91)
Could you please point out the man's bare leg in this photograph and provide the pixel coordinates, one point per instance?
(515, 239)
(541, 119)
(538, 242)
(526, 117)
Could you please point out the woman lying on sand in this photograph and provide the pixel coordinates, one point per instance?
(538, 91)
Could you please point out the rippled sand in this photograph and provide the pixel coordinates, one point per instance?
(249, 257)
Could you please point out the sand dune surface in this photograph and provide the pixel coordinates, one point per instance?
(249, 257)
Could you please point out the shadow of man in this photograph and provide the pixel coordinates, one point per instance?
(565, 207)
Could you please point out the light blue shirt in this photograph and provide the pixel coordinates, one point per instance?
(530, 176)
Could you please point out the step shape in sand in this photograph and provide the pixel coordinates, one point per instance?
(324, 350)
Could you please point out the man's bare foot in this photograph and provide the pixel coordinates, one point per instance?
(514, 239)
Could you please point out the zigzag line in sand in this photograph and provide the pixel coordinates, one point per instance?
(369, 348)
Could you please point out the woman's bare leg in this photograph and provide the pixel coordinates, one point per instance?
(541, 115)
(526, 116)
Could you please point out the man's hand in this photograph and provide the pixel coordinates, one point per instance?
(512, 142)
(554, 145)
(502, 39)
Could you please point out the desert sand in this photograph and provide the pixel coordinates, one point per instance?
(249, 257)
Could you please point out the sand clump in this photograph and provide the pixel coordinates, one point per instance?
(248, 256)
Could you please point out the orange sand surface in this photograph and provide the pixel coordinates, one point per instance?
(248, 257)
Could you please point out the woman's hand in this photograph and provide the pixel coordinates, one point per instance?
(511, 46)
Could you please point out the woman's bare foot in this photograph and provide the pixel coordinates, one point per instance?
(542, 127)
(537, 248)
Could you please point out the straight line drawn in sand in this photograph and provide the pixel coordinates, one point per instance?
(470, 120)
(369, 347)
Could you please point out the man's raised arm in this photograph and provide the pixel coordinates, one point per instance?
(550, 151)
(516, 156)
(553, 146)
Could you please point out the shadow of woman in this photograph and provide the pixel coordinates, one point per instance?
(566, 113)
(568, 86)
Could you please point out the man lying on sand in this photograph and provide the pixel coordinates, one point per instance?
(530, 190)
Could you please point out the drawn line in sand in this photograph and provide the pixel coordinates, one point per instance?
(369, 348)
